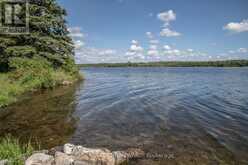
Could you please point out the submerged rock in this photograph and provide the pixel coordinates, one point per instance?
(79, 155)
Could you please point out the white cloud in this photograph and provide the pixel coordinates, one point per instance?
(243, 50)
(153, 52)
(107, 52)
(185, 55)
(188, 54)
(78, 44)
(172, 52)
(129, 53)
(75, 32)
(94, 55)
(154, 41)
(176, 51)
(237, 27)
(167, 47)
(77, 37)
(238, 51)
(84, 54)
(135, 57)
(136, 48)
(135, 52)
(169, 53)
(167, 16)
(149, 35)
(140, 56)
(166, 32)
(153, 47)
(134, 42)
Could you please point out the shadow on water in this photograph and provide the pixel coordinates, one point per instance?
(44, 117)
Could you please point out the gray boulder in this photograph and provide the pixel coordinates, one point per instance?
(63, 159)
(122, 156)
(90, 156)
(68, 148)
(40, 159)
(79, 155)
(4, 162)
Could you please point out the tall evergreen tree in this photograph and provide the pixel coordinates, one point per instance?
(48, 37)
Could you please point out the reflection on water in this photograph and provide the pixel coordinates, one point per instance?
(200, 115)
(46, 117)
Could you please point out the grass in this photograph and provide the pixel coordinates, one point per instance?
(13, 151)
(8, 90)
(30, 75)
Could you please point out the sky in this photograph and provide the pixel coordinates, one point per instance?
(109, 31)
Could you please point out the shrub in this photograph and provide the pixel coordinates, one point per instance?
(32, 73)
(8, 90)
(28, 74)
(70, 67)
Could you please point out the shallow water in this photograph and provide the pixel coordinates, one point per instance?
(197, 115)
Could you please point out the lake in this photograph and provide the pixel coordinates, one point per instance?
(197, 115)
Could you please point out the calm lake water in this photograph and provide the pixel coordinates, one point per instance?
(196, 115)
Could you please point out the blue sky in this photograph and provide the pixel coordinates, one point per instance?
(158, 30)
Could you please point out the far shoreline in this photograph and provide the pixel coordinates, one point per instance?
(224, 63)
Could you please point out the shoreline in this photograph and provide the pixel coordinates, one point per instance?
(15, 91)
(70, 154)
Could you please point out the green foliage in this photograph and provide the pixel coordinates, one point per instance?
(229, 63)
(41, 59)
(8, 90)
(4, 42)
(12, 150)
(70, 67)
(32, 74)
(20, 51)
(48, 37)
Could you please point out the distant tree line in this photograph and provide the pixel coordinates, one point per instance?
(227, 63)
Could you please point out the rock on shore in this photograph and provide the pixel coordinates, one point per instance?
(79, 155)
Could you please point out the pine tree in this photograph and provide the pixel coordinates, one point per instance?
(48, 37)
